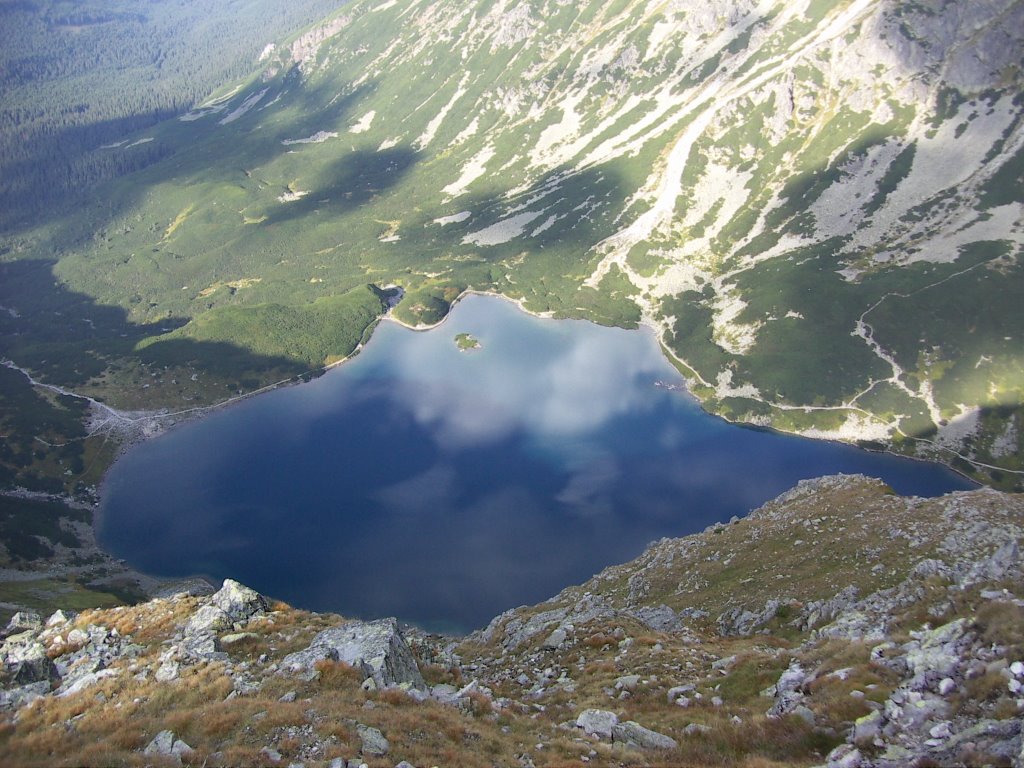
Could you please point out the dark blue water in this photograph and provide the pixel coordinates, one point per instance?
(443, 486)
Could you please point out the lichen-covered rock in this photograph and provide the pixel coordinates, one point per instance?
(239, 602)
(233, 604)
(23, 621)
(16, 698)
(209, 618)
(26, 663)
(377, 648)
(935, 654)
(372, 740)
(868, 729)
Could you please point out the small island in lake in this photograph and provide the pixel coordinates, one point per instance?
(466, 343)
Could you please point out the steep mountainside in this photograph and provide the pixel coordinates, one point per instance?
(875, 640)
(818, 204)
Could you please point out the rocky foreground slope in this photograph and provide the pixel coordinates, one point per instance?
(837, 625)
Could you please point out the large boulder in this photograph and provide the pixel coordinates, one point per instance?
(633, 734)
(597, 722)
(233, 604)
(207, 619)
(376, 648)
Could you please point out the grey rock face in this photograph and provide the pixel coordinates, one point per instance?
(60, 617)
(634, 734)
(787, 691)
(201, 645)
(868, 729)
(597, 722)
(80, 683)
(168, 671)
(660, 618)
(740, 621)
(27, 663)
(377, 648)
(627, 683)
(167, 744)
(844, 756)
(513, 631)
(555, 639)
(676, 691)
(209, 618)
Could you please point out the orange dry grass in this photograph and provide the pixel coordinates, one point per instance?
(599, 640)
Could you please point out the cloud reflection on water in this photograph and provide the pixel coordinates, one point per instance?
(570, 388)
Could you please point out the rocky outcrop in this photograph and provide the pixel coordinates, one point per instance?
(230, 607)
(924, 721)
(511, 631)
(377, 649)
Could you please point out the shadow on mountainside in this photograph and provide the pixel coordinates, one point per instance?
(68, 338)
(352, 180)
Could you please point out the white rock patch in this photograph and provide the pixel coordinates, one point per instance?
(432, 127)
(244, 107)
(317, 138)
(856, 427)
(502, 231)
(471, 171)
(364, 122)
(455, 218)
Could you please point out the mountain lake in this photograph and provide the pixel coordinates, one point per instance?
(444, 482)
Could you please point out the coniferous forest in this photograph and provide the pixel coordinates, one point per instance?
(78, 75)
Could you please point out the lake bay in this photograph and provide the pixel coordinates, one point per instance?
(443, 486)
